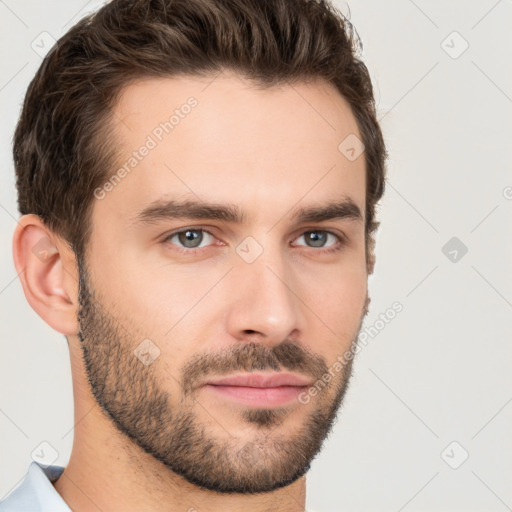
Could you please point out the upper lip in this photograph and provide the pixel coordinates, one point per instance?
(261, 380)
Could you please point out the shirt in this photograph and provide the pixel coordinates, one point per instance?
(36, 492)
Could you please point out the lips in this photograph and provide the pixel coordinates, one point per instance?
(259, 390)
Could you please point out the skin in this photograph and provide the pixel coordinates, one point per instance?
(149, 437)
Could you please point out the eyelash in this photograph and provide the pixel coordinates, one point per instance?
(335, 248)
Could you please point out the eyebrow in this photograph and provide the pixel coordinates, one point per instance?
(160, 210)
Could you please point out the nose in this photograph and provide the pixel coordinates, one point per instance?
(263, 307)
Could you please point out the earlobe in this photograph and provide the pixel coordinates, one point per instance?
(42, 260)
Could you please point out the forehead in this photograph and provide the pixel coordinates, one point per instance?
(221, 138)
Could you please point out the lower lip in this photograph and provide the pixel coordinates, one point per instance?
(259, 397)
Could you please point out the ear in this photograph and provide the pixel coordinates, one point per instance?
(46, 267)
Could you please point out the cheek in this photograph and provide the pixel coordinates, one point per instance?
(339, 304)
(180, 296)
(152, 296)
(342, 304)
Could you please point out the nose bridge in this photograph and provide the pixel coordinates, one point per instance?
(263, 301)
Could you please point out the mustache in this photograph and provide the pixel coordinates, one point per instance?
(249, 357)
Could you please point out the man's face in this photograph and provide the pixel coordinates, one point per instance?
(164, 313)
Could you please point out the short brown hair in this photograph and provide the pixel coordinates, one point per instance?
(63, 148)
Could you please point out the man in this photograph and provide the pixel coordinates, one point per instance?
(197, 181)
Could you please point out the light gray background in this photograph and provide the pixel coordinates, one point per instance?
(440, 371)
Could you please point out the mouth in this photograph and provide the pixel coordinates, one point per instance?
(259, 390)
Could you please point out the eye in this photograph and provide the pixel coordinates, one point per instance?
(190, 238)
(318, 239)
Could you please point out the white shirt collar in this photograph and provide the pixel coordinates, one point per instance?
(36, 492)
